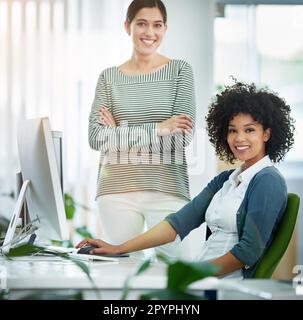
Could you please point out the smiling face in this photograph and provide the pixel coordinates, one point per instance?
(147, 30)
(246, 139)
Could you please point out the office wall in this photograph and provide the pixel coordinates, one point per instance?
(294, 254)
(190, 37)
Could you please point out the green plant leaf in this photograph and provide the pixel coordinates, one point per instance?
(24, 250)
(42, 295)
(29, 249)
(220, 87)
(169, 294)
(145, 265)
(64, 243)
(142, 267)
(83, 266)
(164, 259)
(84, 232)
(69, 205)
(182, 273)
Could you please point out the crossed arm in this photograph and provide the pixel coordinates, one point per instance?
(176, 124)
(104, 130)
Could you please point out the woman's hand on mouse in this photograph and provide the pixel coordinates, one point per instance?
(101, 246)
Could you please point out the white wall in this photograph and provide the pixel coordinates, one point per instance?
(190, 37)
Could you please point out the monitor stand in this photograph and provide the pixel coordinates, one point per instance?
(24, 215)
(15, 217)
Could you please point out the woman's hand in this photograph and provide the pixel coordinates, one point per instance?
(176, 124)
(106, 118)
(101, 246)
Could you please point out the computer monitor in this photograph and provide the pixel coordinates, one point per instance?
(41, 183)
(57, 140)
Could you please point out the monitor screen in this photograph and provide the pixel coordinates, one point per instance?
(41, 179)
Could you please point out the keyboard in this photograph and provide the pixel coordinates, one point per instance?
(73, 252)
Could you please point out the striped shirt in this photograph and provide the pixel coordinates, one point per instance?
(132, 156)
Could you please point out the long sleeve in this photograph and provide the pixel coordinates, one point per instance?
(192, 215)
(185, 103)
(122, 138)
(142, 137)
(266, 203)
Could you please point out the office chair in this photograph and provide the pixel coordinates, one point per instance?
(277, 248)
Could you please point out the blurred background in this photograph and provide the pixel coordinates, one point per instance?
(52, 52)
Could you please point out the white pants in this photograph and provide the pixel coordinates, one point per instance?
(126, 215)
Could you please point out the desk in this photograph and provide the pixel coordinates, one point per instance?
(52, 273)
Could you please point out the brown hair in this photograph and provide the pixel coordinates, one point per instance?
(137, 5)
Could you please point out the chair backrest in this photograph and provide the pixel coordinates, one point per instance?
(277, 248)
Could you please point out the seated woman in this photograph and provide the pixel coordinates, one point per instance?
(241, 207)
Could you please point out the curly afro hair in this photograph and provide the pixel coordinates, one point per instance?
(264, 106)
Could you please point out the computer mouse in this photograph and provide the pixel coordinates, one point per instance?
(86, 249)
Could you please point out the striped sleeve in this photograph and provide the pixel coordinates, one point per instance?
(184, 104)
(121, 138)
(143, 137)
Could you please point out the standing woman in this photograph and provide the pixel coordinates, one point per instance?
(142, 119)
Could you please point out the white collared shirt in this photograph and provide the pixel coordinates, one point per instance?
(220, 216)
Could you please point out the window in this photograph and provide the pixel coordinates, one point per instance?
(51, 54)
(263, 43)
